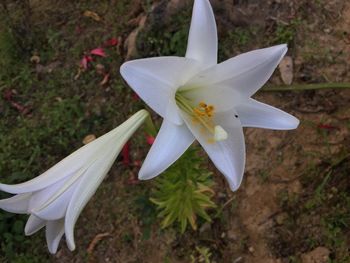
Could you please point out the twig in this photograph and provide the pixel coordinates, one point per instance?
(96, 239)
(301, 87)
(228, 202)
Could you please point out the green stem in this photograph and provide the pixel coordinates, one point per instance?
(150, 127)
(298, 87)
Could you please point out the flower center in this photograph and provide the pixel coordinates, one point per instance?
(203, 115)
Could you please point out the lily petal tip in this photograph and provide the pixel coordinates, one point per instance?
(290, 123)
(295, 123)
(145, 176)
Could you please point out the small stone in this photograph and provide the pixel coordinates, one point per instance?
(35, 59)
(100, 69)
(251, 249)
(280, 218)
(232, 235)
(222, 195)
(334, 189)
(318, 255)
(205, 227)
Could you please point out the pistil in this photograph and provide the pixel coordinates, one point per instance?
(202, 114)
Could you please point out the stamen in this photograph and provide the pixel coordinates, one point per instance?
(198, 112)
(202, 115)
(202, 104)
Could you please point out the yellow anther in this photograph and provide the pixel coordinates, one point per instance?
(202, 115)
(209, 114)
(210, 108)
(198, 112)
(202, 104)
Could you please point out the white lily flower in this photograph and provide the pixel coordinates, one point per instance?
(56, 198)
(200, 99)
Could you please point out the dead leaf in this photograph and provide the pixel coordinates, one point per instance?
(89, 138)
(92, 15)
(105, 79)
(130, 42)
(77, 76)
(286, 70)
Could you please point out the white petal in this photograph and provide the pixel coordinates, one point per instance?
(155, 80)
(95, 174)
(227, 155)
(223, 99)
(245, 73)
(202, 40)
(259, 115)
(34, 224)
(16, 204)
(57, 208)
(54, 233)
(85, 189)
(171, 142)
(40, 197)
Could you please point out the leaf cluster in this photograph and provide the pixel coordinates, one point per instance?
(184, 192)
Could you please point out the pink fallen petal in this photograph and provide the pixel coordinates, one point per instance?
(111, 42)
(150, 139)
(135, 96)
(84, 63)
(98, 52)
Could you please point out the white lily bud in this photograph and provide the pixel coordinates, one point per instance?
(56, 198)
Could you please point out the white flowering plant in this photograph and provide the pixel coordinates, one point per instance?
(199, 99)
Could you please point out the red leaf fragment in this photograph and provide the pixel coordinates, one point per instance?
(8, 96)
(327, 127)
(98, 52)
(84, 63)
(111, 42)
(126, 154)
(135, 96)
(22, 109)
(150, 139)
